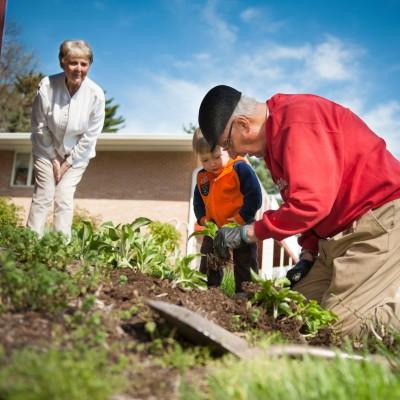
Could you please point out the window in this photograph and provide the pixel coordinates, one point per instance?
(23, 170)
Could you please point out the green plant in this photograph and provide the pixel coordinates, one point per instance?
(187, 277)
(120, 240)
(214, 261)
(9, 212)
(81, 215)
(165, 235)
(33, 286)
(278, 299)
(307, 379)
(85, 325)
(210, 229)
(60, 374)
(177, 357)
(51, 250)
(228, 283)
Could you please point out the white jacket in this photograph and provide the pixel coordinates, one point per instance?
(65, 125)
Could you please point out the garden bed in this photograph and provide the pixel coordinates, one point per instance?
(74, 323)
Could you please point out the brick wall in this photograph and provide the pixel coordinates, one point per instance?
(122, 185)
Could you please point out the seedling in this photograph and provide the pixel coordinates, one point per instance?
(282, 302)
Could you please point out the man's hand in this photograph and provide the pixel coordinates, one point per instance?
(228, 238)
(299, 271)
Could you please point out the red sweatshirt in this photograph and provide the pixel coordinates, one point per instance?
(329, 166)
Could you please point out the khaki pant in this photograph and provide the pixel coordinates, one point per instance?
(46, 191)
(357, 273)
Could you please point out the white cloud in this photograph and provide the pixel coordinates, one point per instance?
(249, 14)
(279, 52)
(331, 60)
(223, 34)
(202, 56)
(385, 121)
(162, 105)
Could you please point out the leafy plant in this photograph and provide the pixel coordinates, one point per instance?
(183, 359)
(33, 286)
(9, 212)
(187, 277)
(81, 215)
(165, 235)
(214, 261)
(85, 324)
(210, 229)
(278, 299)
(51, 249)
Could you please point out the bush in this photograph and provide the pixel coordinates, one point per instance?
(80, 215)
(25, 245)
(9, 212)
(165, 235)
(33, 286)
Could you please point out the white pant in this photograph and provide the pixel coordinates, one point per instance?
(46, 190)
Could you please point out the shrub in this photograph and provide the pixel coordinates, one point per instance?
(165, 235)
(9, 212)
(81, 214)
(25, 245)
(33, 286)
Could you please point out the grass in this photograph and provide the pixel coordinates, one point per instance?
(228, 282)
(59, 375)
(308, 379)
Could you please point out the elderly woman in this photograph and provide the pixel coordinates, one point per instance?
(67, 117)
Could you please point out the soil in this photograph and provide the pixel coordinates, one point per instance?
(150, 381)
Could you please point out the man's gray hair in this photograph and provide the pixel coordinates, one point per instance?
(246, 106)
(80, 47)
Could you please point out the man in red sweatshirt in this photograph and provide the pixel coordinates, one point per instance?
(341, 192)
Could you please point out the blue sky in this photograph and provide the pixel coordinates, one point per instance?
(158, 58)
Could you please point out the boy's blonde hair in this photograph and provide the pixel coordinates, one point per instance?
(199, 143)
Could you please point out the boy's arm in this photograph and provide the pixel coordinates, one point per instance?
(199, 207)
(251, 191)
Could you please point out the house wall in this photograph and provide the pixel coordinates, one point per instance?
(123, 185)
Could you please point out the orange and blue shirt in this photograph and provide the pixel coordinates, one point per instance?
(234, 193)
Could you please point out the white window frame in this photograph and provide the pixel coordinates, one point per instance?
(30, 170)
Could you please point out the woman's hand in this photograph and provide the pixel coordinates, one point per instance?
(56, 169)
(65, 166)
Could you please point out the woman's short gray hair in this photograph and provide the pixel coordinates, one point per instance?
(246, 106)
(69, 47)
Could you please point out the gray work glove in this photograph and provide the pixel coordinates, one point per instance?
(229, 238)
(299, 271)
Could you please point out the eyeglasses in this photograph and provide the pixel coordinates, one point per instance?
(228, 142)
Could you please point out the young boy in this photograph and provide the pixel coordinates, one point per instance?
(227, 190)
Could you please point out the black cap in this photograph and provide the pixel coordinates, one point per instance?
(215, 110)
